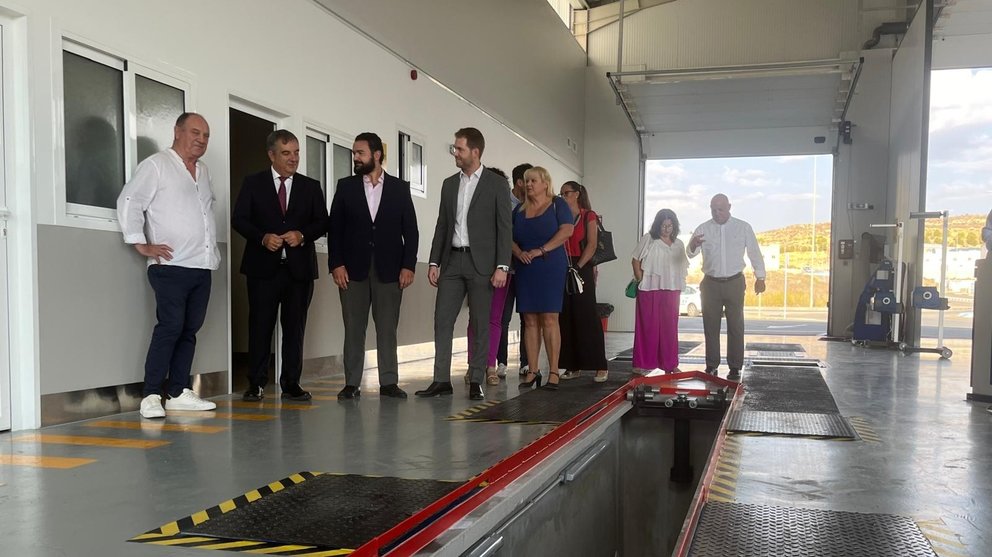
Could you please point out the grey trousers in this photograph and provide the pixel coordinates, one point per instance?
(384, 299)
(457, 280)
(719, 297)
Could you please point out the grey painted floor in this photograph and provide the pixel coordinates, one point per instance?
(932, 460)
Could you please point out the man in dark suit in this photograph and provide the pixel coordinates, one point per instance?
(280, 213)
(470, 255)
(372, 254)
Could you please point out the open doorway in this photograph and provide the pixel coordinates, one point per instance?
(959, 159)
(248, 132)
(786, 199)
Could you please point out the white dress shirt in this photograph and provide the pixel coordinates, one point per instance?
(289, 185)
(164, 204)
(723, 248)
(373, 193)
(665, 266)
(466, 189)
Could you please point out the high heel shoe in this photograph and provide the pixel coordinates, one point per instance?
(552, 386)
(536, 379)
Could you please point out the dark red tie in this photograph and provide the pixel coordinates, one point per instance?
(282, 194)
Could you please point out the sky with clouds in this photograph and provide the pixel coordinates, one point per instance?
(771, 192)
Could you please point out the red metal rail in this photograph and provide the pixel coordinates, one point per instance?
(416, 532)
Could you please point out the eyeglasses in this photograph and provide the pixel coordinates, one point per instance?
(671, 226)
(564, 193)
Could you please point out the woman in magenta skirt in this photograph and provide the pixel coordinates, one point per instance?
(660, 266)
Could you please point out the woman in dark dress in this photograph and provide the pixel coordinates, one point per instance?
(541, 225)
(582, 342)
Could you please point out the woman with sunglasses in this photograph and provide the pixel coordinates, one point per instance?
(582, 342)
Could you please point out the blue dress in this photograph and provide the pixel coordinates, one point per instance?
(541, 284)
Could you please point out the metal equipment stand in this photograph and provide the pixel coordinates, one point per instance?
(930, 298)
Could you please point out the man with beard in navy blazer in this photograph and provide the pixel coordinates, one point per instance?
(280, 213)
(372, 254)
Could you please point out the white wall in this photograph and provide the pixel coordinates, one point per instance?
(326, 73)
(908, 141)
(704, 33)
(513, 58)
(861, 173)
(613, 177)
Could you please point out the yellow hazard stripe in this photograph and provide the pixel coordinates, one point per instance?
(180, 541)
(157, 426)
(278, 549)
(57, 462)
(230, 545)
(84, 440)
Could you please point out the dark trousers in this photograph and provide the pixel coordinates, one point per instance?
(582, 342)
(719, 297)
(384, 298)
(181, 296)
(459, 279)
(265, 298)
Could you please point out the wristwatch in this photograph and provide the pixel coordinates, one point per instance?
(504, 268)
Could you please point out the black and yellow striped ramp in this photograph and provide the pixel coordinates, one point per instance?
(309, 513)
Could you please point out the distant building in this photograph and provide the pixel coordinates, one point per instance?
(960, 266)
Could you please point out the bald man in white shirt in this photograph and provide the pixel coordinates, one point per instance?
(723, 240)
(166, 211)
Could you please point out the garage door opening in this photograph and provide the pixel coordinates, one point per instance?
(786, 200)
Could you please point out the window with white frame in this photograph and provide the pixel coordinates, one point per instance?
(411, 163)
(327, 161)
(115, 115)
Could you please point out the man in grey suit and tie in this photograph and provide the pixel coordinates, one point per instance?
(470, 255)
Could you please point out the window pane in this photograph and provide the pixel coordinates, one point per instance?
(342, 162)
(94, 131)
(158, 106)
(417, 164)
(317, 161)
(404, 156)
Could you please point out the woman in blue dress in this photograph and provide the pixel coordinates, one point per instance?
(541, 225)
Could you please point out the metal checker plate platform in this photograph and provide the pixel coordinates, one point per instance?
(544, 406)
(685, 346)
(787, 389)
(327, 511)
(773, 347)
(789, 423)
(731, 529)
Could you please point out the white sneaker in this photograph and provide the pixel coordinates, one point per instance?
(151, 407)
(189, 401)
(501, 370)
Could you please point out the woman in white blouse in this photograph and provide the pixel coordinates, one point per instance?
(660, 266)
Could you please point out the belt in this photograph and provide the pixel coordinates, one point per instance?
(463, 249)
(725, 279)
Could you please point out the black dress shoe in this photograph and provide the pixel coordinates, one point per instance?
(712, 371)
(475, 392)
(253, 394)
(392, 391)
(294, 392)
(350, 392)
(436, 388)
(734, 375)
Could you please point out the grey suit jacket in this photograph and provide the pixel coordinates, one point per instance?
(489, 223)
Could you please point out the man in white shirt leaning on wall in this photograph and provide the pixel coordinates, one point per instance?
(166, 213)
(723, 240)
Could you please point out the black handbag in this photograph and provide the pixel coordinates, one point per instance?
(573, 281)
(604, 243)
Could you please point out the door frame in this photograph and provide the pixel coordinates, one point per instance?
(21, 273)
(282, 120)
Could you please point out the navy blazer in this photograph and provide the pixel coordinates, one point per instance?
(353, 238)
(257, 213)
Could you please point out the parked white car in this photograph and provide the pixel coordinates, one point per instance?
(689, 302)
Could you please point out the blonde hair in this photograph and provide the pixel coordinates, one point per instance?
(539, 173)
